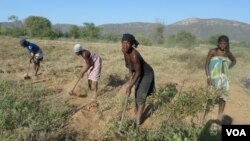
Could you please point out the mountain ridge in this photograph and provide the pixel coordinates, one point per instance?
(202, 28)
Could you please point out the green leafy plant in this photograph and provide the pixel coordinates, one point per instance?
(24, 107)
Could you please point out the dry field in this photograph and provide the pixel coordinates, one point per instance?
(61, 67)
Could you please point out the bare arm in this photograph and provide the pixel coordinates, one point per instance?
(86, 57)
(232, 58)
(209, 56)
(136, 75)
(32, 55)
(131, 74)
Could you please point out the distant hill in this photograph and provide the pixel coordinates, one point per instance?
(201, 28)
(17, 24)
(204, 28)
(134, 28)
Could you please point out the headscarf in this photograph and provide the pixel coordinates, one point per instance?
(130, 38)
(77, 48)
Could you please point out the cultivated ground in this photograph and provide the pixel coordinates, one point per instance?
(61, 68)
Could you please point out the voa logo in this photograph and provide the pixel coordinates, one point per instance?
(236, 132)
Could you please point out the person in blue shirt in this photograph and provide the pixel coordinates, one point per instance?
(36, 54)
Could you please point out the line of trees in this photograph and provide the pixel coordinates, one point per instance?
(33, 26)
(41, 27)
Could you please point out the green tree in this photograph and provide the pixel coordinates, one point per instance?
(13, 18)
(91, 31)
(14, 32)
(15, 29)
(182, 38)
(171, 41)
(143, 40)
(53, 34)
(6, 31)
(74, 31)
(185, 38)
(37, 26)
(111, 37)
(158, 34)
(213, 39)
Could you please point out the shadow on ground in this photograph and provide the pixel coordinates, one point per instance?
(212, 129)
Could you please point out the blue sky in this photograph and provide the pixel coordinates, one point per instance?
(123, 11)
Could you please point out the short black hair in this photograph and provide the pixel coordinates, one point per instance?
(223, 38)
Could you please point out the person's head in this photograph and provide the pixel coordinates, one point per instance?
(128, 41)
(77, 49)
(223, 43)
(24, 43)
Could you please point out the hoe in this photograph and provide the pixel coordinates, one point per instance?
(27, 74)
(72, 91)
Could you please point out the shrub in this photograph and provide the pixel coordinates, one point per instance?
(24, 107)
(176, 106)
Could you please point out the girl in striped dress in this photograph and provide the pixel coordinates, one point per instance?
(219, 61)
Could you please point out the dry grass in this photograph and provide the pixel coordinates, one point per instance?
(183, 66)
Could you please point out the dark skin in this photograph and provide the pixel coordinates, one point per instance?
(85, 54)
(130, 56)
(31, 57)
(218, 52)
